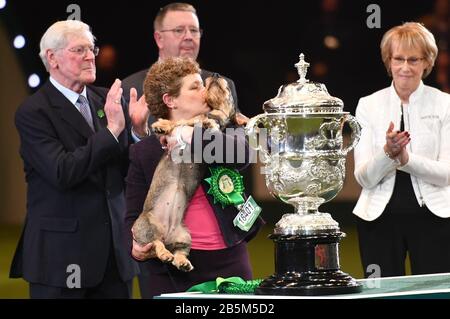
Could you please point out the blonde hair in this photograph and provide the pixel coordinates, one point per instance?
(410, 35)
(57, 36)
(165, 76)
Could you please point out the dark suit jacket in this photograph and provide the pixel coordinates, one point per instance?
(75, 191)
(136, 80)
(145, 156)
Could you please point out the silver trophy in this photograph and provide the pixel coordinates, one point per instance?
(300, 141)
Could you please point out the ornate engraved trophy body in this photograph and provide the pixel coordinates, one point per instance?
(301, 146)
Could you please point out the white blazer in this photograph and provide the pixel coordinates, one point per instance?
(427, 119)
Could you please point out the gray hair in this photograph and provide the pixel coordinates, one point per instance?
(57, 36)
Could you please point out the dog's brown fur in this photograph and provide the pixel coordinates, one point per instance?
(174, 184)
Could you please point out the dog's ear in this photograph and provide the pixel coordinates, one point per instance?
(208, 82)
(215, 77)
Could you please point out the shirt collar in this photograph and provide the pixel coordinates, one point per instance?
(72, 96)
(412, 98)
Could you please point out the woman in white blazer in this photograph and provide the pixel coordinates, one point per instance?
(402, 162)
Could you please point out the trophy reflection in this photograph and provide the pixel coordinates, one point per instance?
(304, 165)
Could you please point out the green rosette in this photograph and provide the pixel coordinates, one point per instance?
(226, 186)
(101, 113)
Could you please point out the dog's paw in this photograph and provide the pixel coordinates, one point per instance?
(166, 256)
(182, 263)
(163, 127)
(240, 119)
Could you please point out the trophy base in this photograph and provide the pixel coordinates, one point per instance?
(308, 265)
(309, 284)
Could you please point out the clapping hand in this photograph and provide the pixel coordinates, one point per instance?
(139, 113)
(113, 109)
(396, 142)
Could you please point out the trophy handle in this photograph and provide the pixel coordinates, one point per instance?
(356, 132)
(253, 131)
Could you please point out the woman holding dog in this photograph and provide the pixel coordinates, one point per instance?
(175, 91)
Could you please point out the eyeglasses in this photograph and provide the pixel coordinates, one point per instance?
(83, 50)
(397, 61)
(179, 32)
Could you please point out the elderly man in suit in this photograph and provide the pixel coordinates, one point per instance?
(74, 145)
(177, 33)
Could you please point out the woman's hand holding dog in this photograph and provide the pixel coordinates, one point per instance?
(171, 141)
(142, 253)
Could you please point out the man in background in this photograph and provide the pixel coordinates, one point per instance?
(177, 33)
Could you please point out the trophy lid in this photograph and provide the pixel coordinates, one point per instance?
(303, 96)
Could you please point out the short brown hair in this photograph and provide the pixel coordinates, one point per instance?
(165, 76)
(410, 35)
(176, 6)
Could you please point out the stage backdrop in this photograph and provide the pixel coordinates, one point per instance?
(13, 92)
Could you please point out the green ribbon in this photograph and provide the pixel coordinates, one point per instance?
(226, 186)
(231, 285)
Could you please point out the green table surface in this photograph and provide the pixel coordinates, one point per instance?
(420, 286)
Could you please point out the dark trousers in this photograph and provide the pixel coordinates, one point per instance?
(208, 265)
(111, 287)
(386, 241)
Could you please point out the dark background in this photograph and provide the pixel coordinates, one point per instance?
(255, 43)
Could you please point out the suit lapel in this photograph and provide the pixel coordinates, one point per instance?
(70, 115)
(67, 111)
(97, 102)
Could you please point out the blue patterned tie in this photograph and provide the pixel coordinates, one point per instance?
(86, 111)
